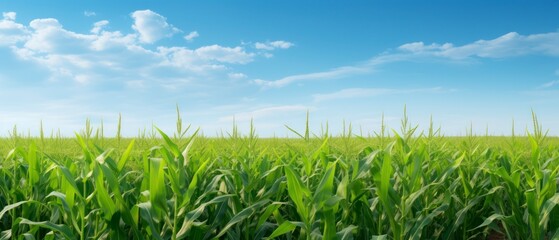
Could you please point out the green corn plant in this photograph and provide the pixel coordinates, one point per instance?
(404, 185)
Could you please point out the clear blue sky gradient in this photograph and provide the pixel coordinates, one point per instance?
(465, 63)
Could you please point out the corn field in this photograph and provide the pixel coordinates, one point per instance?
(408, 185)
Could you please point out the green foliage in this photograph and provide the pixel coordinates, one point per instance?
(408, 186)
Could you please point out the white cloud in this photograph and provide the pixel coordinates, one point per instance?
(152, 26)
(107, 40)
(11, 16)
(10, 31)
(204, 59)
(421, 47)
(225, 54)
(264, 113)
(236, 75)
(188, 59)
(282, 44)
(98, 26)
(372, 92)
(191, 36)
(49, 36)
(273, 45)
(45, 23)
(89, 13)
(260, 45)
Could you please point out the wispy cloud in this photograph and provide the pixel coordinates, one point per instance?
(191, 36)
(334, 73)
(272, 45)
(509, 45)
(329, 74)
(225, 54)
(236, 75)
(265, 48)
(151, 26)
(372, 92)
(264, 112)
(550, 84)
(10, 31)
(11, 16)
(89, 13)
(98, 26)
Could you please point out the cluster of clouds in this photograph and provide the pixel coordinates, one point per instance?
(135, 58)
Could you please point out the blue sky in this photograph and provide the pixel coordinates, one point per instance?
(465, 63)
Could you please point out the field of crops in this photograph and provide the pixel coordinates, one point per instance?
(404, 186)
